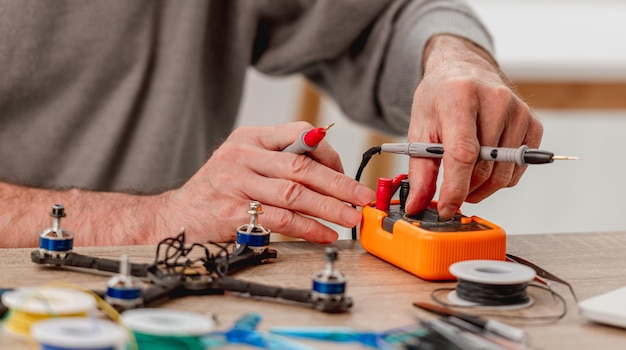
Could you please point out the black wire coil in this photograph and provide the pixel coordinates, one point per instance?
(492, 294)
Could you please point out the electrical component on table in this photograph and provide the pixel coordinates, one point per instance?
(56, 241)
(424, 244)
(182, 269)
(327, 294)
(329, 285)
(253, 234)
(123, 289)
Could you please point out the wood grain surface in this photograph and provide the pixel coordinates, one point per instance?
(593, 263)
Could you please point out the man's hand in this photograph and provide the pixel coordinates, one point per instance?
(211, 205)
(292, 188)
(463, 102)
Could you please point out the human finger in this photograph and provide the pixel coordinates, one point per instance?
(293, 224)
(312, 175)
(502, 123)
(423, 175)
(519, 122)
(459, 139)
(279, 137)
(532, 140)
(422, 172)
(296, 197)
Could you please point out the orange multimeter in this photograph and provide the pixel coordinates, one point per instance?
(423, 244)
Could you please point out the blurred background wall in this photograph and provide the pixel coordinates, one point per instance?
(568, 60)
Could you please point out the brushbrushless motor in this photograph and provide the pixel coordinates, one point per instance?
(55, 240)
(329, 283)
(123, 289)
(253, 234)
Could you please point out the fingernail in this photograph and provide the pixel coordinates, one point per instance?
(364, 194)
(351, 216)
(447, 212)
(330, 237)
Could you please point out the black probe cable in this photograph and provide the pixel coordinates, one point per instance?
(366, 158)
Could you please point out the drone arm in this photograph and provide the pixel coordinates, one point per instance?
(87, 262)
(262, 290)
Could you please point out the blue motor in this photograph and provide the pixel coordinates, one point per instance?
(254, 235)
(54, 240)
(124, 290)
(329, 284)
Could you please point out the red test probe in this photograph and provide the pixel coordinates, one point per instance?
(308, 140)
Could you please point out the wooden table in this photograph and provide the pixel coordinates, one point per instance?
(593, 263)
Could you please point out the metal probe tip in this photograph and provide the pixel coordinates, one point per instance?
(328, 127)
(564, 158)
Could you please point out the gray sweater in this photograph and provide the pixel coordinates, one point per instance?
(133, 95)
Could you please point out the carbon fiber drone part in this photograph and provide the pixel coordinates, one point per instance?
(214, 279)
(180, 269)
(240, 258)
(173, 273)
(87, 263)
(303, 296)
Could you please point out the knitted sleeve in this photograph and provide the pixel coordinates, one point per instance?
(367, 55)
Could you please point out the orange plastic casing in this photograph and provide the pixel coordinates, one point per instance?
(428, 254)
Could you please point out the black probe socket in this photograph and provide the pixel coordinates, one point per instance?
(535, 156)
(404, 192)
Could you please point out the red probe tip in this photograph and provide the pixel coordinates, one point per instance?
(315, 136)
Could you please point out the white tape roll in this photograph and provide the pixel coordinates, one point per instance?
(492, 272)
(49, 301)
(79, 333)
(167, 322)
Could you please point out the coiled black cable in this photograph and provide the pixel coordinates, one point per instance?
(492, 294)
